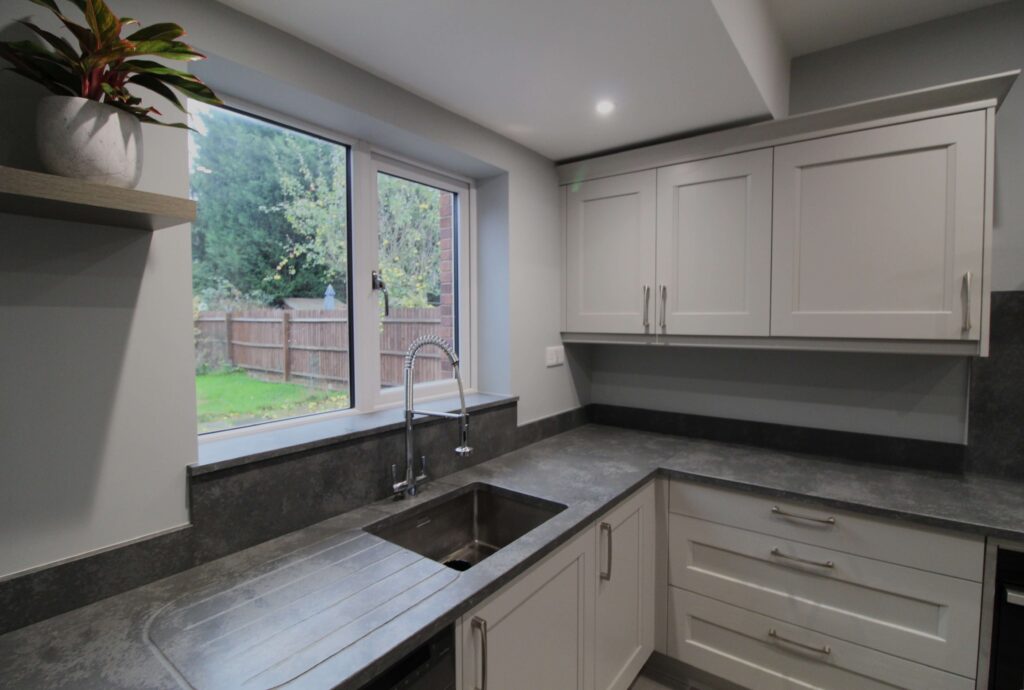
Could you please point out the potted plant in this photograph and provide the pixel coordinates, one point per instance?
(91, 126)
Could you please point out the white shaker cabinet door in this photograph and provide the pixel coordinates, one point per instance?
(534, 633)
(715, 246)
(879, 233)
(610, 236)
(624, 614)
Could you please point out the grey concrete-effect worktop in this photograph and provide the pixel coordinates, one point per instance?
(115, 643)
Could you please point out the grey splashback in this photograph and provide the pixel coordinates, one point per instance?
(996, 433)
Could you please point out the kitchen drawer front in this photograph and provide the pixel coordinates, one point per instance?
(739, 646)
(920, 616)
(937, 551)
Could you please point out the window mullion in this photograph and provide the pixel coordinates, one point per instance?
(365, 302)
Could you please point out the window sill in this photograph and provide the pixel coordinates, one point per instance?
(221, 454)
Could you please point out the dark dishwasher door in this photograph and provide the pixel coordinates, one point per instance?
(431, 666)
(1008, 639)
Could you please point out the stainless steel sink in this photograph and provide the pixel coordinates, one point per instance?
(461, 528)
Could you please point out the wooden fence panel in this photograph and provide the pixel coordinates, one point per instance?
(312, 345)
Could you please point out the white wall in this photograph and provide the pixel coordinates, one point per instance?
(97, 410)
(973, 44)
(97, 407)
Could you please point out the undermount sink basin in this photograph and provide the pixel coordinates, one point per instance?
(463, 527)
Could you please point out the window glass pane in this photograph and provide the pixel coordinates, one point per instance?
(418, 261)
(270, 270)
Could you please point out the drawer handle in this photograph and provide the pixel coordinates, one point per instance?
(797, 516)
(823, 649)
(480, 625)
(607, 574)
(821, 564)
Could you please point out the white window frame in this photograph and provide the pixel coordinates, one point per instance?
(366, 306)
(389, 165)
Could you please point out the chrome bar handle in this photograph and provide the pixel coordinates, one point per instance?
(821, 564)
(647, 305)
(479, 624)
(1015, 597)
(967, 302)
(823, 649)
(664, 306)
(607, 574)
(797, 516)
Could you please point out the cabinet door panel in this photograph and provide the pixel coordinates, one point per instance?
(624, 615)
(610, 238)
(875, 232)
(714, 245)
(536, 627)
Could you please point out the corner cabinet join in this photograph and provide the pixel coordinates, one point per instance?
(871, 235)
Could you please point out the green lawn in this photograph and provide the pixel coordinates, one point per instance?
(232, 398)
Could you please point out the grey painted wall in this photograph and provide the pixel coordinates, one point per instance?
(892, 395)
(973, 44)
(97, 404)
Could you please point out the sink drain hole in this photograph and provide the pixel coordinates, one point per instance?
(458, 564)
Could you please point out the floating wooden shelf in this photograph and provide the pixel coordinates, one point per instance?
(29, 193)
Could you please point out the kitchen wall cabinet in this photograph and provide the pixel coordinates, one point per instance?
(610, 240)
(880, 233)
(861, 228)
(714, 246)
(582, 618)
(624, 613)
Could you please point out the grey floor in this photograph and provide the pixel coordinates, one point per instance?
(645, 683)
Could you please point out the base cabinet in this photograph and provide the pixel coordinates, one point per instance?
(583, 618)
(770, 593)
(624, 614)
(535, 632)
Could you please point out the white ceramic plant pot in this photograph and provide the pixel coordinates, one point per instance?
(89, 140)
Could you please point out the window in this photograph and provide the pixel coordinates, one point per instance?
(281, 328)
(417, 226)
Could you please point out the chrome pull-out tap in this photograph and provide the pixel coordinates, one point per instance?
(408, 486)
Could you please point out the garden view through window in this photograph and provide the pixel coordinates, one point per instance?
(417, 261)
(271, 271)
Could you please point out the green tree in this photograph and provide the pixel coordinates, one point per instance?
(253, 229)
(272, 220)
(409, 216)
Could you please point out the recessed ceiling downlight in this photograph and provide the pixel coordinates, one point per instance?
(604, 107)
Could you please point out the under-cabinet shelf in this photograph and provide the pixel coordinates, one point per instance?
(29, 193)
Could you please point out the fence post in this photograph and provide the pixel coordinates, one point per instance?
(227, 336)
(285, 337)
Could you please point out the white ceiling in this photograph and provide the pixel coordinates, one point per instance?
(533, 70)
(810, 25)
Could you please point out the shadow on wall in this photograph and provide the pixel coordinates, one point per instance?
(67, 301)
(909, 396)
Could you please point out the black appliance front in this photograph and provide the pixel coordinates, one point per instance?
(431, 666)
(1008, 623)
